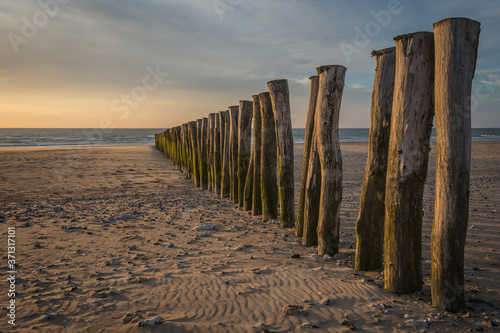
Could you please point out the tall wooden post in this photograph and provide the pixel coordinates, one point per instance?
(370, 223)
(194, 152)
(244, 145)
(411, 124)
(456, 42)
(217, 163)
(331, 87)
(313, 96)
(204, 154)
(226, 181)
(278, 90)
(233, 153)
(256, 148)
(268, 160)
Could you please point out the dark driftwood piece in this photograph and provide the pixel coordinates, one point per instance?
(411, 124)
(370, 223)
(456, 42)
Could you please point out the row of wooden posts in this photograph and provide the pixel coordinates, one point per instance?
(426, 74)
(217, 152)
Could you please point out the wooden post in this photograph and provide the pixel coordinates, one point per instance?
(198, 138)
(456, 42)
(331, 87)
(268, 160)
(370, 222)
(226, 181)
(244, 145)
(194, 152)
(248, 189)
(204, 154)
(411, 124)
(312, 195)
(233, 153)
(222, 130)
(278, 90)
(217, 163)
(256, 148)
(210, 144)
(313, 96)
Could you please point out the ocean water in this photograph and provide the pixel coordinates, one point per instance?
(22, 137)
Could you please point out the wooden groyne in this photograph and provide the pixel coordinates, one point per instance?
(426, 74)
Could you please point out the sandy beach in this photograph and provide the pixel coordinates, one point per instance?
(109, 237)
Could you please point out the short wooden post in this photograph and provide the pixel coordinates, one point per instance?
(278, 90)
(194, 152)
(256, 148)
(233, 153)
(244, 145)
(370, 222)
(217, 163)
(204, 154)
(313, 96)
(456, 42)
(331, 87)
(226, 181)
(411, 124)
(268, 161)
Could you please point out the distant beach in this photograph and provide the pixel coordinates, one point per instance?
(46, 137)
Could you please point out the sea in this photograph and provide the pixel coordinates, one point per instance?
(54, 137)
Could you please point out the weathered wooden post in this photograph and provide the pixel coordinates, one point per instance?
(226, 181)
(222, 130)
(331, 87)
(185, 150)
(178, 147)
(217, 163)
(244, 145)
(312, 195)
(370, 222)
(204, 154)
(411, 124)
(313, 96)
(210, 144)
(194, 152)
(256, 148)
(248, 189)
(456, 42)
(278, 90)
(233, 153)
(268, 160)
(198, 154)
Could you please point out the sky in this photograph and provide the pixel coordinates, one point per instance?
(161, 63)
